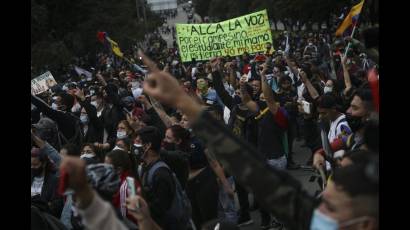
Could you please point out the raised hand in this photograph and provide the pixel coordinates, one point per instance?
(161, 85)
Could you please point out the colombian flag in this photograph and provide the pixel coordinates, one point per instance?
(103, 37)
(351, 18)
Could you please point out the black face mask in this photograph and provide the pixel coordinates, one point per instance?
(355, 123)
(138, 151)
(169, 146)
(129, 107)
(237, 100)
(36, 171)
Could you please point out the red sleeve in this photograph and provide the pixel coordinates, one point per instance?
(336, 145)
(281, 119)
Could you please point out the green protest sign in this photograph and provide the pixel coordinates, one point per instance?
(248, 33)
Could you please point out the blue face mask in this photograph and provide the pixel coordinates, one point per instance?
(84, 119)
(54, 106)
(322, 222)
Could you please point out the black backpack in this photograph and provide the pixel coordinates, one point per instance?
(178, 162)
(180, 213)
(78, 137)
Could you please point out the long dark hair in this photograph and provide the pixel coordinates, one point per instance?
(120, 159)
(49, 167)
(182, 134)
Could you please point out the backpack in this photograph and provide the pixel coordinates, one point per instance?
(76, 139)
(180, 211)
(178, 162)
(44, 221)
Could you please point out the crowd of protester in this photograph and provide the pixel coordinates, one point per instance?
(193, 135)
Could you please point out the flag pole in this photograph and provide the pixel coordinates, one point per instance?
(351, 36)
(354, 29)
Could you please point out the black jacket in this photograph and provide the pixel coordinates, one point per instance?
(67, 123)
(95, 132)
(220, 90)
(246, 127)
(112, 113)
(49, 194)
(159, 194)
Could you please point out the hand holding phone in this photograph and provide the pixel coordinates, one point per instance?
(132, 190)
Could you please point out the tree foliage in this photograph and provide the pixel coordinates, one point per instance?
(306, 12)
(63, 29)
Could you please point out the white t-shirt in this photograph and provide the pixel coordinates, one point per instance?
(227, 114)
(193, 72)
(85, 130)
(37, 185)
(336, 127)
(300, 89)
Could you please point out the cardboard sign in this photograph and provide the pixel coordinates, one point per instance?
(42, 83)
(233, 37)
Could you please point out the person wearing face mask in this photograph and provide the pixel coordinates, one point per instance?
(55, 102)
(200, 181)
(350, 199)
(121, 162)
(125, 145)
(240, 116)
(44, 182)
(124, 130)
(288, 99)
(88, 154)
(92, 127)
(328, 112)
(358, 114)
(111, 112)
(242, 123)
(332, 87)
(68, 124)
(350, 185)
(160, 191)
(272, 120)
(175, 157)
(207, 94)
(310, 48)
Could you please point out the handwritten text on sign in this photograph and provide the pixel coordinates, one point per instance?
(233, 37)
(42, 83)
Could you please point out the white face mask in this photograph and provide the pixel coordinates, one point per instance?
(121, 134)
(94, 103)
(116, 147)
(87, 155)
(322, 222)
(54, 106)
(76, 108)
(310, 44)
(328, 89)
(84, 119)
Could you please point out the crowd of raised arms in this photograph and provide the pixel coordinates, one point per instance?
(154, 143)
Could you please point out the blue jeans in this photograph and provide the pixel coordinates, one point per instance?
(227, 210)
(66, 213)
